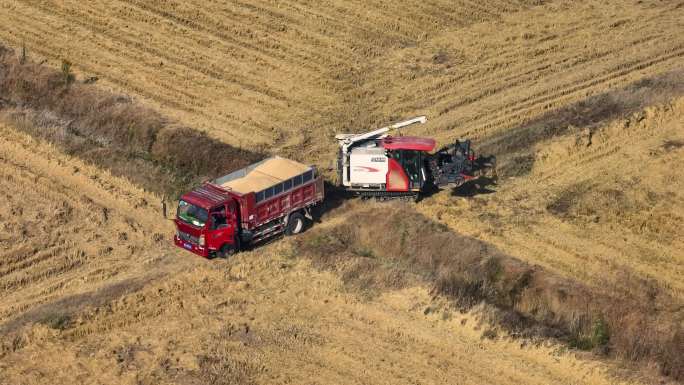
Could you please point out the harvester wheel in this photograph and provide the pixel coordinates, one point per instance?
(491, 168)
(295, 224)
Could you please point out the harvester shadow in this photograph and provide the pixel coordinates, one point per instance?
(480, 186)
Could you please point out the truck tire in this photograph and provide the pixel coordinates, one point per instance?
(228, 250)
(295, 224)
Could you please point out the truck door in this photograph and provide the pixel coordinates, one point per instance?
(221, 227)
(233, 216)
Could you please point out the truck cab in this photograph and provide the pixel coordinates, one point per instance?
(207, 222)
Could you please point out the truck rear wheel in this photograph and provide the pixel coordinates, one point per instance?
(295, 224)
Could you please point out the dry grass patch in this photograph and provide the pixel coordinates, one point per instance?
(389, 246)
(516, 146)
(111, 131)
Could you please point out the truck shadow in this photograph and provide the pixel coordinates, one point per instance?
(334, 198)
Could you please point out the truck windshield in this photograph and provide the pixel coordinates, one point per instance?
(192, 214)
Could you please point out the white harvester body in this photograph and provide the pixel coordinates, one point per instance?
(361, 161)
(368, 166)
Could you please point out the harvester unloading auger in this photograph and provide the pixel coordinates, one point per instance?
(375, 164)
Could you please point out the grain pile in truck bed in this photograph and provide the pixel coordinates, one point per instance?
(262, 175)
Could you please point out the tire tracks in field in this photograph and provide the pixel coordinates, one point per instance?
(562, 96)
(550, 98)
(131, 43)
(63, 267)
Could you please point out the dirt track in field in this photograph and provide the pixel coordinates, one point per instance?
(580, 100)
(92, 307)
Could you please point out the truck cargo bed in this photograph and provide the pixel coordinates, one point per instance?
(272, 189)
(260, 176)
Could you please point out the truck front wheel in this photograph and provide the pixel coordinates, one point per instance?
(295, 224)
(228, 250)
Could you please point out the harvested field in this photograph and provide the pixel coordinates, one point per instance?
(594, 202)
(70, 233)
(290, 75)
(581, 101)
(108, 301)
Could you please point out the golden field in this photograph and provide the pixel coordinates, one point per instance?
(93, 305)
(581, 101)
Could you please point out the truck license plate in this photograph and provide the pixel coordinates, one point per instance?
(187, 246)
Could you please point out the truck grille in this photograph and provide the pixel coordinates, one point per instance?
(187, 237)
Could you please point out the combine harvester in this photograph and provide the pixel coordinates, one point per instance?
(276, 195)
(378, 165)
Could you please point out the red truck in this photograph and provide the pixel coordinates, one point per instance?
(267, 198)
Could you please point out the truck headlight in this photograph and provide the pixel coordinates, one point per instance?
(201, 240)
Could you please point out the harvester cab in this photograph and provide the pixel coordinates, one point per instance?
(376, 164)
